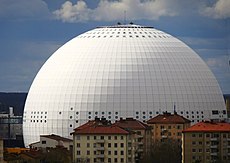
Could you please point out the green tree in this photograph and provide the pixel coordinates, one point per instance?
(168, 151)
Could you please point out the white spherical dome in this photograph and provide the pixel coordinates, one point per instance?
(119, 71)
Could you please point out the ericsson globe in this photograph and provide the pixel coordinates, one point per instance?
(119, 71)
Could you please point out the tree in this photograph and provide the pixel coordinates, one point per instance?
(164, 152)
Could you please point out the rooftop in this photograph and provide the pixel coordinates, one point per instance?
(209, 126)
(56, 137)
(133, 124)
(168, 118)
(98, 126)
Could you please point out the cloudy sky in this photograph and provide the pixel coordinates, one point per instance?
(31, 30)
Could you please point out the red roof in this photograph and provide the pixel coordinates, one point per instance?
(133, 124)
(168, 118)
(209, 127)
(100, 129)
(56, 137)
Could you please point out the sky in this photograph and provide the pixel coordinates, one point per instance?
(32, 30)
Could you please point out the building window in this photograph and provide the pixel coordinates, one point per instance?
(122, 159)
(115, 152)
(122, 137)
(207, 135)
(115, 145)
(178, 127)
(102, 137)
(115, 159)
(193, 135)
(109, 152)
(109, 137)
(109, 159)
(78, 145)
(193, 143)
(109, 144)
(78, 137)
(122, 152)
(115, 137)
(95, 137)
(88, 137)
(214, 112)
(78, 152)
(122, 144)
(43, 142)
(193, 150)
(88, 145)
(88, 152)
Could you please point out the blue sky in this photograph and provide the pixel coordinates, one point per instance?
(31, 30)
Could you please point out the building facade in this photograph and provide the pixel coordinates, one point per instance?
(168, 126)
(1, 150)
(53, 141)
(206, 142)
(11, 125)
(100, 142)
(143, 135)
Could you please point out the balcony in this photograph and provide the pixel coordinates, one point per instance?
(100, 140)
(100, 155)
(214, 139)
(140, 143)
(98, 148)
(140, 150)
(164, 136)
(213, 154)
(139, 136)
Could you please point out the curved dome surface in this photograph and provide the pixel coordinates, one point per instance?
(119, 71)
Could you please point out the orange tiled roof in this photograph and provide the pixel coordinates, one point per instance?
(56, 137)
(209, 127)
(168, 118)
(132, 124)
(100, 129)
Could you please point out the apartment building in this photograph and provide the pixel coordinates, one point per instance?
(100, 141)
(206, 142)
(168, 126)
(143, 135)
(52, 141)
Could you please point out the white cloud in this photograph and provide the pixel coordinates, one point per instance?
(219, 10)
(114, 10)
(23, 9)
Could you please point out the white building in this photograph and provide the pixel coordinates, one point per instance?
(119, 71)
(52, 141)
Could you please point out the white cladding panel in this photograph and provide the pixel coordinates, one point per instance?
(119, 71)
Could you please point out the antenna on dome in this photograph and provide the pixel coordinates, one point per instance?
(174, 108)
(124, 17)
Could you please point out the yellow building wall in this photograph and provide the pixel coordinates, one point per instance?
(95, 153)
(205, 147)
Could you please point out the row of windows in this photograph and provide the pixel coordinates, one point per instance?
(124, 36)
(101, 160)
(137, 113)
(102, 152)
(78, 137)
(115, 145)
(213, 135)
